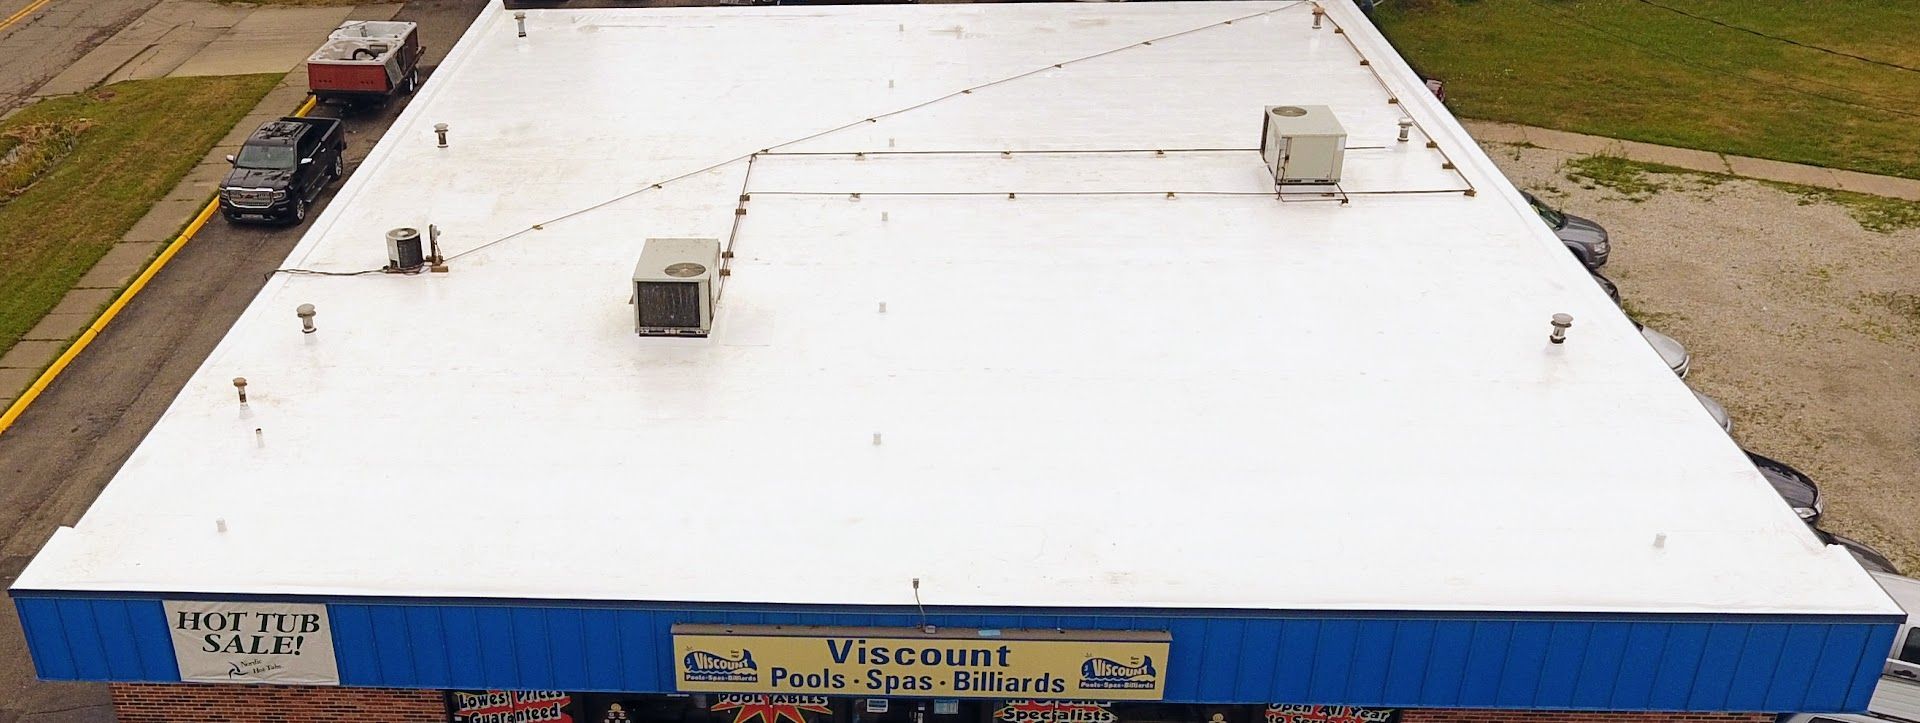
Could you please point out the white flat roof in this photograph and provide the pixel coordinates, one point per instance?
(1087, 399)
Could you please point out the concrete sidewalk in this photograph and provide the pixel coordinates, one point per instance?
(176, 37)
(1705, 161)
(188, 37)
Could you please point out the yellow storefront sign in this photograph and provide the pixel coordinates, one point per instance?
(963, 663)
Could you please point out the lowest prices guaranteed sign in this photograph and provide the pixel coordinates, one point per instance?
(244, 642)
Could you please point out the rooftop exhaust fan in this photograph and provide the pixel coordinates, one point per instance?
(673, 287)
(1302, 144)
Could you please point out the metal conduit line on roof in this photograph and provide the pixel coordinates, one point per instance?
(1169, 194)
(769, 150)
(739, 214)
(871, 119)
(1009, 152)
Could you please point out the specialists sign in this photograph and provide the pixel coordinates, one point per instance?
(244, 642)
(966, 663)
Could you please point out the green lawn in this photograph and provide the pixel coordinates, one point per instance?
(1629, 69)
(76, 172)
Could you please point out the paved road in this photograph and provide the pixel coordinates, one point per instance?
(44, 41)
(68, 445)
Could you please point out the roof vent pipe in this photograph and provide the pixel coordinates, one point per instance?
(520, 20)
(306, 313)
(240, 384)
(438, 263)
(1561, 322)
(1317, 14)
(440, 131)
(1406, 126)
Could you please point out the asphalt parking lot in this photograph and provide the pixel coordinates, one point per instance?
(67, 446)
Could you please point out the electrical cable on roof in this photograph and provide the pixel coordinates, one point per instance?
(871, 119)
(1789, 41)
(1733, 73)
(317, 272)
(1053, 194)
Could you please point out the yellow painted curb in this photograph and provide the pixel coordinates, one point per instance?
(39, 385)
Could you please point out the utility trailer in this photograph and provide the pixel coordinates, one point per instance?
(366, 61)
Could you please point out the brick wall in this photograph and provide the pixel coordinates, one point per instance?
(138, 703)
(1525, 716)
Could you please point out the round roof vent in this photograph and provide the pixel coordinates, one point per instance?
(684, 270)
(1290, 111)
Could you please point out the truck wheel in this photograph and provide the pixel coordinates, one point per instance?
(299, 211)
(339, 169)
(413, 81)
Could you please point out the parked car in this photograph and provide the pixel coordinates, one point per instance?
(1794, 486)
(1671, 352)
(1894, 701)
(282, 168)
(1714, 410)
(1868, 557)
(1607, 285)
(1903, 660)
(1587, 240)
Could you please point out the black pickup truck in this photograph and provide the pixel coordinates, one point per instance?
(282, 168)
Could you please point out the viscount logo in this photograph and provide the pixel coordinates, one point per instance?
(712, 668)
(1108, 674)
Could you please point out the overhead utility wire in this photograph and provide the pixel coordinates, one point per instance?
(1789, 41)
(872, 119)
(1727, 72)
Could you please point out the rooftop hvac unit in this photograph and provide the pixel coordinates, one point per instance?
(1303, 144)
(673, 286)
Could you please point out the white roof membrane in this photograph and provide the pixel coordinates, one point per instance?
(1139, 381)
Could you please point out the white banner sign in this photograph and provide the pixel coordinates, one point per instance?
(244, 642)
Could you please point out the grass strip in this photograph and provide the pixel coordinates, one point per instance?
(1625, 69)
(1638, 181)
(125, 147)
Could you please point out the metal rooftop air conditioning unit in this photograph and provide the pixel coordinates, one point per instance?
(1303, 144)
(673, 286)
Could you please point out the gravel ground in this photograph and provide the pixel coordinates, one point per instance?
(1801, 322)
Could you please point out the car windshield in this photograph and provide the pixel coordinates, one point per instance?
(1553, 218)
(266, 157)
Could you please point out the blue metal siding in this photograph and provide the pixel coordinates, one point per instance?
(1407, 660)
(1560, 669)
(1407, 670)
(98, 639)
(1865, 677)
